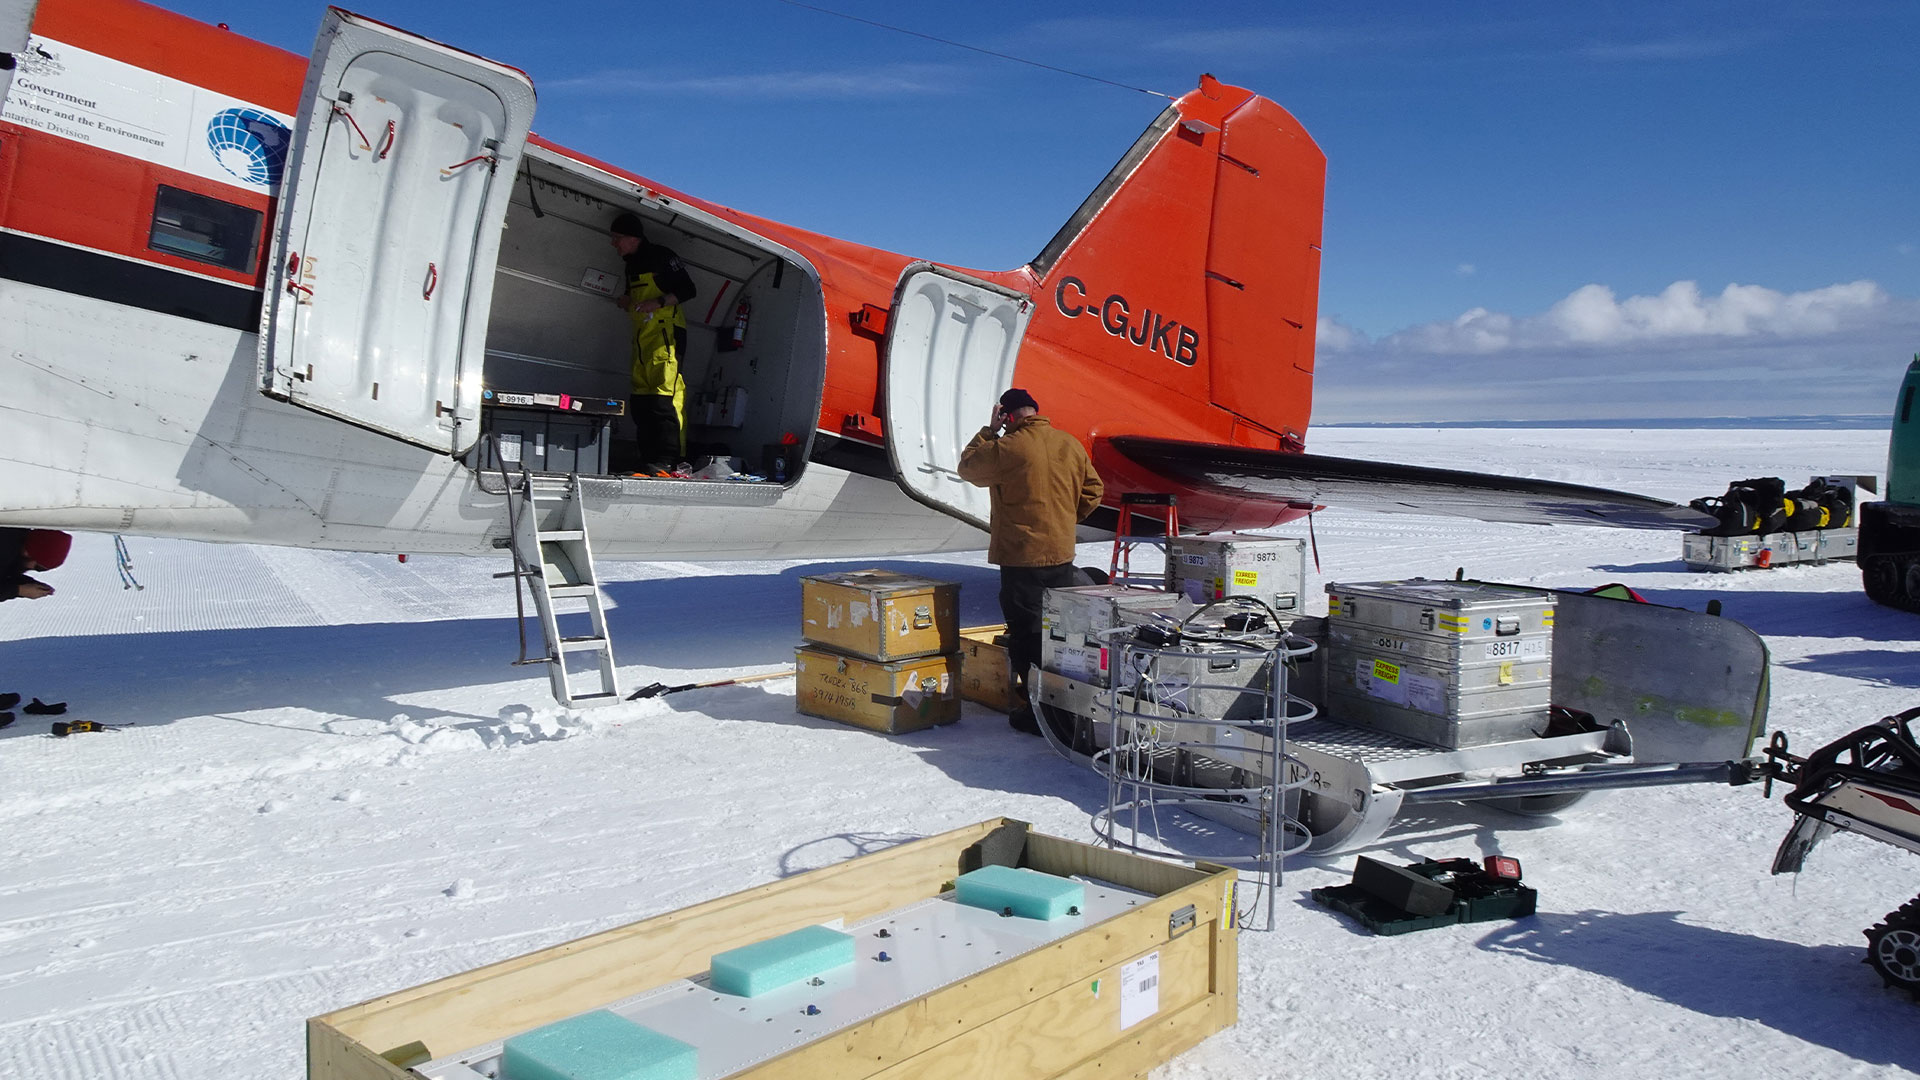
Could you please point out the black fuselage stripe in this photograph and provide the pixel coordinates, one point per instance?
(33, 261)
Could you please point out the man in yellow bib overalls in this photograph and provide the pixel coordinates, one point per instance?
(657, 284)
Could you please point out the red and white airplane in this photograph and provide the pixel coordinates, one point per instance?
(250, 296)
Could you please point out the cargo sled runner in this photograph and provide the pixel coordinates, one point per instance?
(1866, 782)
(1640, 695)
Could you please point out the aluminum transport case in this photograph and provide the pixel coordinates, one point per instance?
(1271, 569)
(556, 433)
(880, 614)
(1723, 553)
(1448, 663)
(1073, 620)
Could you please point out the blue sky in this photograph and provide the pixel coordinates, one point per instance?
(1531, 210)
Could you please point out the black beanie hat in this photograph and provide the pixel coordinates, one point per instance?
(627, 225)
(1017, 398)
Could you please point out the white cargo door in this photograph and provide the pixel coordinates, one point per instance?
(382, 273)
(951, 349)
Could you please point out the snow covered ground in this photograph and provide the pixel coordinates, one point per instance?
(333, 785)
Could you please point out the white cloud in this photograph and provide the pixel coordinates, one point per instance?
(1333, 336)
(1465, 269)
(1672, 48)
(1592, 316)
(1747, 351)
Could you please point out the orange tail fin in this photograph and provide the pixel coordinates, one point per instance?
(1195, 267)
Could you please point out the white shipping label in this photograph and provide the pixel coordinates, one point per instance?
(1426, 693)
(1517, 649)
(509, 447)
(1139, 990)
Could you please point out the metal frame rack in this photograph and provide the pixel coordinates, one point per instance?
(1164, 740)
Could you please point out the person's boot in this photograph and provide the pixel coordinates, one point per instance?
(1023, 720)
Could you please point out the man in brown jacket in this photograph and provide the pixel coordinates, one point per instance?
(1042, 483)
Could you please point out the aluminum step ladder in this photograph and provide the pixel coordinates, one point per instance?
(1166, 509)
(552, 555)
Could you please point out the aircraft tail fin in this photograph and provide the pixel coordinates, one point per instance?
(1201, 249)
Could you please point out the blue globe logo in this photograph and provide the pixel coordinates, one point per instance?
(249, 144)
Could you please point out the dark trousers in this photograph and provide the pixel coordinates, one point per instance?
(1022, 589)
(658, 427)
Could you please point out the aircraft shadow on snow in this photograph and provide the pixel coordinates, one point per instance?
(1846, 613)
(363, 670)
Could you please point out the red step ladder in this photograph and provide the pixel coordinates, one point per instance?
(1151, 506)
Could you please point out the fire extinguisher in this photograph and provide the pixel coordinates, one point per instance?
(740, 314)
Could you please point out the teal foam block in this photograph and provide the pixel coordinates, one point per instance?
(597, 1046)
(755, 969)
(1030, 893)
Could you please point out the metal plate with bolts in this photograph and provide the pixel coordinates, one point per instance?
(925, 946)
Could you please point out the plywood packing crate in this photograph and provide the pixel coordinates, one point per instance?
(986, 671)
(888, 696)
(880, 614)
(1063, 1010)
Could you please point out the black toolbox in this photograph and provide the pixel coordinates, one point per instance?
(1478, 896)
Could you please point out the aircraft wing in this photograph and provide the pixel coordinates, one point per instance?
(1304, 480)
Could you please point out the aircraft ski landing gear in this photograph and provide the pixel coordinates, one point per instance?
(1893, 948)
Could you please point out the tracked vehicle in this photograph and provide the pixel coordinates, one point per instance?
(1890, 529)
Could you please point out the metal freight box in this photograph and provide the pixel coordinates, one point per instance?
(556, 433)
(1449, 663)
(880, 614)
(890, 697)
(1272, 569)
(1205, 682)
(1774, 549)
(1074, 621)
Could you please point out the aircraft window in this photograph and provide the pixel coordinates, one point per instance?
(207, 230)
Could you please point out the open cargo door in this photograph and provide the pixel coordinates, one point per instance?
(382, 271)
(950, 354)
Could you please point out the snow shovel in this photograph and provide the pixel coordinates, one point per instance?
(652, 690)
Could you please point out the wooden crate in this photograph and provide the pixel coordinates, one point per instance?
(888, 696)
(1054, 1012)
(986, 673)
(880, 614)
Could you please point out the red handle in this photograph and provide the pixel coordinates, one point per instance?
(433, 279)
